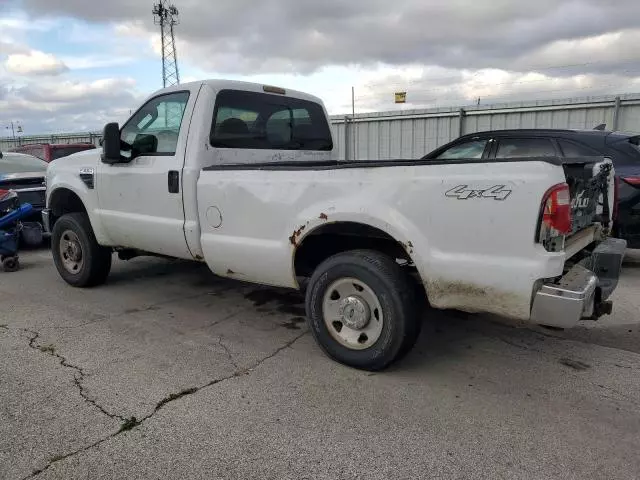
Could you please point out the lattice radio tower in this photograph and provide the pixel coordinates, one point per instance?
(166, 15)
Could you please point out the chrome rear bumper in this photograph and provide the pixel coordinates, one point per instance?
(583, 292)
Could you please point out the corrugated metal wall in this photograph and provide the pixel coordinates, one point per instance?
(414, 133)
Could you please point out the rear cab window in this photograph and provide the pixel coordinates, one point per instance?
(250, 120)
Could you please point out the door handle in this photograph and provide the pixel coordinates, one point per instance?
(173, 181)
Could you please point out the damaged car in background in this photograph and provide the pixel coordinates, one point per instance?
(25, 175)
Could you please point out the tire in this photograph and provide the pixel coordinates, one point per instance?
(94, 263)
(11, 264)
(393, 292)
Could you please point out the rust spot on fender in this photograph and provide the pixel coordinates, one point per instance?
(199, 257)
(408, 247)
(230, 272)
(473, 298)
(323, 216)
(296, 234)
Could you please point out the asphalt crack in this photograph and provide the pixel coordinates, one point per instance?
(98, 317)
(59, 458)
(516, 344)
(131, 423)
(239, 372)
(78, 376)
(229, 355)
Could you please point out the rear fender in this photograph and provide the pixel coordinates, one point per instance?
(382, 217)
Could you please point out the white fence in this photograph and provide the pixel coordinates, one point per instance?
(90, 137)
(414, 133)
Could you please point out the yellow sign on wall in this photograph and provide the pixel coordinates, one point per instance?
(401, 97)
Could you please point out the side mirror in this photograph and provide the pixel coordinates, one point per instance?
(111, 144)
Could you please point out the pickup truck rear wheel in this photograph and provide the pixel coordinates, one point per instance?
(362, 309)
(80, 261)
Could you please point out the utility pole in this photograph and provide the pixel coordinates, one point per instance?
(166, 15)
(353, 119)
(17, 127)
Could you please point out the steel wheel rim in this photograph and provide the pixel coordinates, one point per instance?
(352, 313)
(70, 250)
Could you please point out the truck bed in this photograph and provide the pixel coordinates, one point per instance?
(468, 226)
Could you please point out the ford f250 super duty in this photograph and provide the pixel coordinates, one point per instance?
(244, 178)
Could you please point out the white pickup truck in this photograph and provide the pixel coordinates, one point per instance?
(244, 177)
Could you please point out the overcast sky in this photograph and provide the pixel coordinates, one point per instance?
(69, 65)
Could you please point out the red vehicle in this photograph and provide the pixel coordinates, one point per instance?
(50, 151)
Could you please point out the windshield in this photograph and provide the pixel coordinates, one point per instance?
(20, 163)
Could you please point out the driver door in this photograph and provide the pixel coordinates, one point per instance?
(141, 202)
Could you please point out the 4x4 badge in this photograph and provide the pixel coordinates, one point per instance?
(463, 192)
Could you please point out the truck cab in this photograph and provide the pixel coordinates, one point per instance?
(145, 196)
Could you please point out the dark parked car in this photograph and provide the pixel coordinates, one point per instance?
(622, 148)
(25, 174)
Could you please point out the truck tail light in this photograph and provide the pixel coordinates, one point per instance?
(556, 209)
(632, 180)
(555, 218)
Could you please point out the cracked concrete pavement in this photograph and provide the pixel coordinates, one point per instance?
(170, 372)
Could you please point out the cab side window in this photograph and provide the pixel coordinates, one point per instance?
(472, 149)
(154, 129)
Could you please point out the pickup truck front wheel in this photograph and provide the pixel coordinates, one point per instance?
(362, 309)
(80, 261)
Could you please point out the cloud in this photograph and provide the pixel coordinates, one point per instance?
(88, 62)
(446, 88)
(20, 22)
(34, 63)
(441, 53)
(244, 36)
(10, 47)
(48, 106)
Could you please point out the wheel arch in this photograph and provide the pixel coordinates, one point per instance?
(331, 238)
(66, 199)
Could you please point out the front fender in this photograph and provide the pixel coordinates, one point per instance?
(65, 180)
